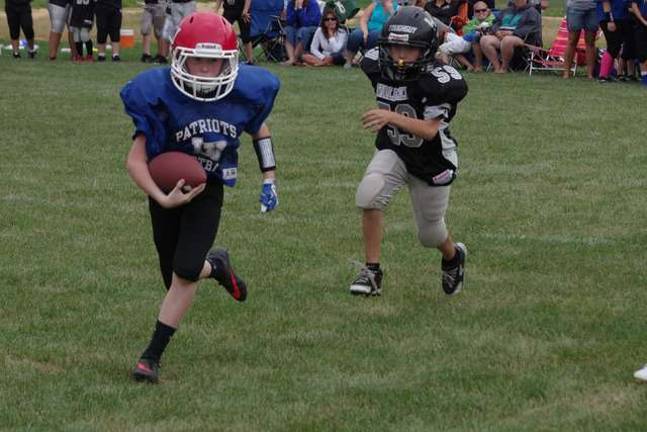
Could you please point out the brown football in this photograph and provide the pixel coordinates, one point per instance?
(168, 168)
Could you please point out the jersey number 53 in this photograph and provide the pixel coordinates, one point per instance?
(398, 137)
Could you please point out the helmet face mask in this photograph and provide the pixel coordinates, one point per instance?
(411, 27)
(204, 35)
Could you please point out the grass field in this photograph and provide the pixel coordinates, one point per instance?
(545, 336)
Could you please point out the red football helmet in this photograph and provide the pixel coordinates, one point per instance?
(204, 35)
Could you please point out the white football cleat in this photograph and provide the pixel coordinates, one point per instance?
(641, 374)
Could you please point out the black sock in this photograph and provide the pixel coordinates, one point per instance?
(88, 48)
(160, 339)
(452, 262)
(79, 48)
(373, 266)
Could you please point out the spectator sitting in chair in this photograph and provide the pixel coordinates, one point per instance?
(328, 43)
(301, 24)
(456, 45)
(517, 25)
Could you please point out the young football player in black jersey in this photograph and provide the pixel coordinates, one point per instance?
(416, 101)
(81, 20)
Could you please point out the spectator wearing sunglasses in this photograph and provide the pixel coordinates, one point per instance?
(328, 43)
(456, 46)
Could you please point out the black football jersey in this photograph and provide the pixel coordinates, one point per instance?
(82, 13)
(434, 95)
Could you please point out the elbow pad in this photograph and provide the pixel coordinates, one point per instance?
(265, 153)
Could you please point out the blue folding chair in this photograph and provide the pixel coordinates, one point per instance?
(266, 29)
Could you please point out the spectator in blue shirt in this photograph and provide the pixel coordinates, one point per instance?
(302, 20)
(614, 21)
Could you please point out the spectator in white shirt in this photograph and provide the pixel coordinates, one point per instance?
(328, 42)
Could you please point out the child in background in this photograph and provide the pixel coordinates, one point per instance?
(456, 45)
(108, 14)
(81, 20)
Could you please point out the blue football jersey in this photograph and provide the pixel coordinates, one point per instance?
(211, 131)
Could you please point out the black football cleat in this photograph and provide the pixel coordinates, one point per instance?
(147, 370)
(453, 276)
(368, 282)
(224, 274)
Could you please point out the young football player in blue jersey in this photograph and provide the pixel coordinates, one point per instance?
(200, 106)
(416, 101)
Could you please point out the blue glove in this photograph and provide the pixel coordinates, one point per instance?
(269, 199)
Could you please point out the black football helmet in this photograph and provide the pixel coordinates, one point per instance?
(409, 26)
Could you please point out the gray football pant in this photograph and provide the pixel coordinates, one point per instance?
(385, 175)
(172, 22)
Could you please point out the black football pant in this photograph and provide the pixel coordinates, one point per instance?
(108, 23)
(19, 16)
(233, 15)
(183, 235)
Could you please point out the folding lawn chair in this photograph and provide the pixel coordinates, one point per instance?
(266, 29)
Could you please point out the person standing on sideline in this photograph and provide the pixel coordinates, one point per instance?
(59, 14)
(238, 10)
(581, 15)
(201, 105)
(639, 9)
(613, 17)
(108, 13)
(175, 11)
(416, 101)
(152, 23)
(81, 20)
(19, 17)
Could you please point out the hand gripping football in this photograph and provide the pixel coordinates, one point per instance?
(168, 168)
